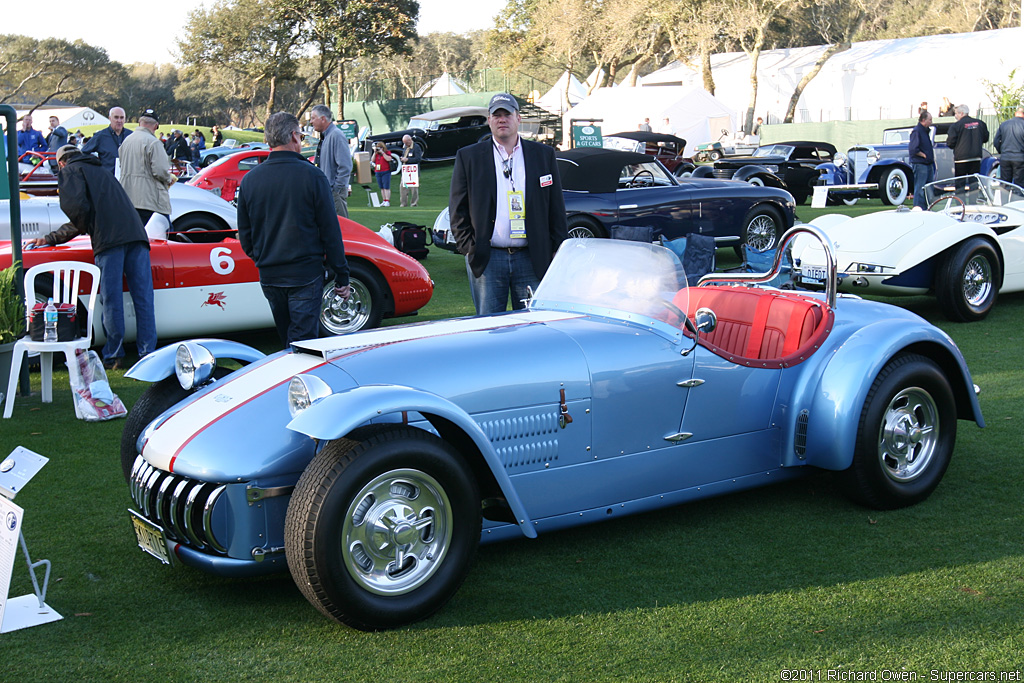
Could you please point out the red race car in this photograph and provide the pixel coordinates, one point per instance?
(213, 287)
(223, 176)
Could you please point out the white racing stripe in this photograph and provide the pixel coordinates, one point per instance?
(329, 347)
(166, 441)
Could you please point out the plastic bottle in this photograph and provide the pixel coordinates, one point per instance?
(50, 322)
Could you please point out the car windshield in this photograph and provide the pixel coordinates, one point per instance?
(645, 174)
(614, 276)
(974, 190)
(774, 151)
(423, 124)
(623, 145)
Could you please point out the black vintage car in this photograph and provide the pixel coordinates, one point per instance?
(786, 165)
(439, 134)
(604, 188)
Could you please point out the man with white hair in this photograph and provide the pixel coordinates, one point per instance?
(1009, 142)
(146, 170)
(332, 156)
(965, 137)
(107, 142)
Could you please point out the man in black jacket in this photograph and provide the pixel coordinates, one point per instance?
(96, 205)
(287, 225)
(965, 137)
(507, 211)
(106, 143)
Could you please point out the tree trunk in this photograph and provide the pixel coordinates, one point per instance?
(835, 48)
(748, 120)
(341, 89)
(272, 97)
(705, 68)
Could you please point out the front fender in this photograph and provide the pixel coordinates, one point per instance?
(875, 170)
(934, 243)
(842, 389)
(750, 170)
(830, 174)
(160, 363)
(337, 415)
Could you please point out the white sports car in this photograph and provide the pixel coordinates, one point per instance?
(193, 210)
(965, 249)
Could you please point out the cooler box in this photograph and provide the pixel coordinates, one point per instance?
(67, 322)
(364, 172)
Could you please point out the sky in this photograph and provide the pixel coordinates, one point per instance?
(131, 42)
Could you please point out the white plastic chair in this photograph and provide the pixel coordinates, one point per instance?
(67, 277)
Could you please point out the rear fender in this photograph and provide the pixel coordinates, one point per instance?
(839, 395)
(160, 364)
(337, 415)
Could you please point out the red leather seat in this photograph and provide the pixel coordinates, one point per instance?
(758, 327)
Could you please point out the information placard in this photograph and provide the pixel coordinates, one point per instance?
(10, 518)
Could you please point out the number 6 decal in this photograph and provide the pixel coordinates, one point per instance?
(221, 261)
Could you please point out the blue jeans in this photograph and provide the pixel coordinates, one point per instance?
(128, 262)
(923, 174)
(505, 273)
(296, 310)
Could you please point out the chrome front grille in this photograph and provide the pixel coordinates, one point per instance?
(182, 507)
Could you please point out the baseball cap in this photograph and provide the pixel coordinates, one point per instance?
(503, 101)
(151, 114)
(66, 150)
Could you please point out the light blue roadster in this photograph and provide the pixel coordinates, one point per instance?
(372, 472)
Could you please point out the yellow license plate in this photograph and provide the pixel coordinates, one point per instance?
(151, 538)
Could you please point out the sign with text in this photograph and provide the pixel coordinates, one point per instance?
(587, 135)
(411, 175)
(10, 528)
(349, 127)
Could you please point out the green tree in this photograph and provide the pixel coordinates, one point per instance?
(37, 71)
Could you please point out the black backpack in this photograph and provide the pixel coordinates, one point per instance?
(411, 239)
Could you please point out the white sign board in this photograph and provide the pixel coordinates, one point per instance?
(411, 175)
(10, 519)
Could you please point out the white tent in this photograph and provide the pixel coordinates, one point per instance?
(70, 117)
(694, 114)
(444, 84)
(596, 76)
(875, 79)
(566, 93)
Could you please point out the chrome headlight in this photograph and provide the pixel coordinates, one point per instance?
(304, 391)
(873, 156)
(839, 159)
(193, 365)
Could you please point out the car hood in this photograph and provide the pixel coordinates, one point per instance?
(236, 429)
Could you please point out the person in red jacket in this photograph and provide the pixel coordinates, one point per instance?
(382, 168)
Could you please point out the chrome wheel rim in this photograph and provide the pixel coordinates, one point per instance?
(977, 280)
(909, 435)
(895, 186)
(341, 316)
(397, 531)
(581, 231)
(761, 232)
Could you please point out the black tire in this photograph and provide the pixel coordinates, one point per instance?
(197, 228)
(684, 170)
(968, 279)
(762, 227)
(396, 162)
(585, 226)
(905, 437)
(714, 155)
(344, 565)
(154, 400)
(893, 186)
(364, 308)
(703, 172)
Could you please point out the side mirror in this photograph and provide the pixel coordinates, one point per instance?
(705, 320)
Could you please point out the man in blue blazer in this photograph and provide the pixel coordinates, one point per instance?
(506, 209)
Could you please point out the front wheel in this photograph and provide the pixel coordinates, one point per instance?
(893, 186)
(761, 228)
(382, 527)
(363, 310)
(968, 280)
(905, 437)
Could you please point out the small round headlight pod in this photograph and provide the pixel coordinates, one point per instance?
(193, 365)
(873, 156)
(304, 391)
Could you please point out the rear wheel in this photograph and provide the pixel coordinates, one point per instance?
(363, 310)
(382, 527)
(585, 227)
(905, 437)
(968, 281)
(198, 229)
(893, 186)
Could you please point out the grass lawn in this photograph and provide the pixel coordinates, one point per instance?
(738, 588)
